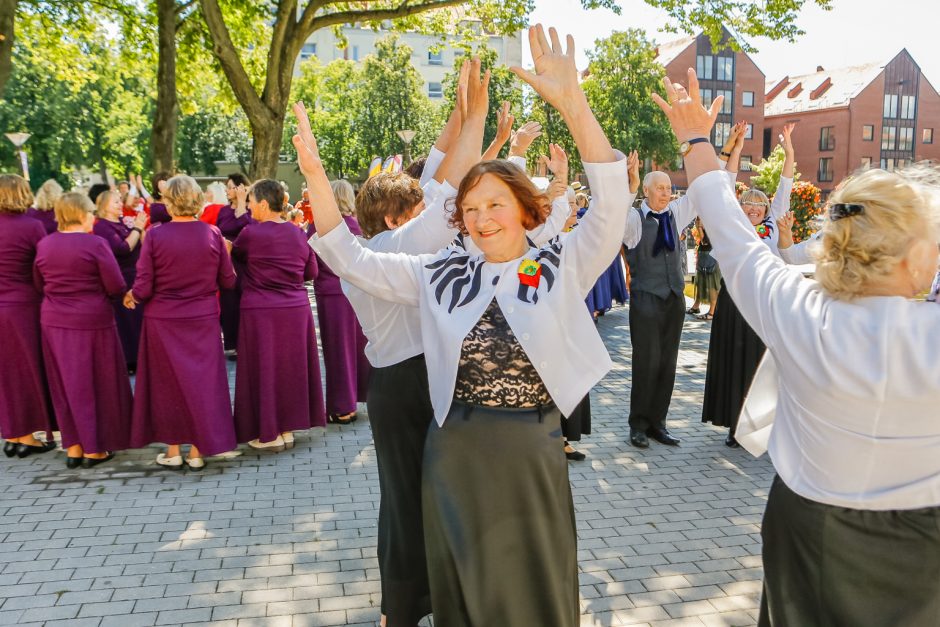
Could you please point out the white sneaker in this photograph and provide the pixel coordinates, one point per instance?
(275, 445)
(195, 463)
(173, 463)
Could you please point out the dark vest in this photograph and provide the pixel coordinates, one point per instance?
(659, 275)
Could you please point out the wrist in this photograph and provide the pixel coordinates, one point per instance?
(574, 107)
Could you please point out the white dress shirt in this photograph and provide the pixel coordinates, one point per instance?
(452, 288)
(859, 382)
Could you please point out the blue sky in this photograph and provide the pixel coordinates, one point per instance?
(853, 33)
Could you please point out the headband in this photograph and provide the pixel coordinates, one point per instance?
(840, 210)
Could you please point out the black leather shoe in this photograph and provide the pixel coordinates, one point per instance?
(25, 450)
(663, 437)
(73, 462)
(730, 442)
(575, 456)
(9, 449)
(91, 462)
(639, 439)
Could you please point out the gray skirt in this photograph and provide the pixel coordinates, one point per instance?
(827, 566)
(499, 520)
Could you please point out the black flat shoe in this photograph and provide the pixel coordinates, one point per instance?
(575, 456)
(9, 449)
(73, 462)
(341, 420)
(663, 437)
(730, 442)
(91, 462)
(25, 450)
(639, 439)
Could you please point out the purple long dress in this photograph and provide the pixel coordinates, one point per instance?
(46, 216)
(277, 383)
(159, 213)
(182, 393)
(129, 321)
(24, 396)
(229, 300)
(347, 369)
(91, 392)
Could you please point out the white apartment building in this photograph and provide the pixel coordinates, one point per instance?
(433, 66)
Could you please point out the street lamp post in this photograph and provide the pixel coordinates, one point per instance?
(18, 139)
(407, 137)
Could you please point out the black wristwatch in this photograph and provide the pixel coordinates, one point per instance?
(686, 147)
(135, 228)
(725, 154)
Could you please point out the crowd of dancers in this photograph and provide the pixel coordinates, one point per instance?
(451, 298)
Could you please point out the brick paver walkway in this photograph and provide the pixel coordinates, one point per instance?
(666, 536)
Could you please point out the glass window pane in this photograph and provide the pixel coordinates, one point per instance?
(749, 131)
(891, 106)
(706, 95)
(435, 90)
(928, 136)
(906, 138)
(747, 99)
(868, 132)
(435, 58)
(888, 136)
(908, 104)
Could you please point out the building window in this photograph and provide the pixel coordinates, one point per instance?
(681, 162)
(928, 136)
(308, 51)
(888, 136)
(825, 169)
(887, 164)
(745, 165)
(901, 163)
(703, 66)
(725, 68)
(728, 101)
(435, 58)
(747, 99)
(722, 132)
(749, 131)
(908, 104)
(866, 162)
(891, 106)
(827, 140)
(435, 90)
(906, 138)
(355, 53)
(868, 133)
(706, 95)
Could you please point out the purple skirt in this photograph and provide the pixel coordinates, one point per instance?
(277, 383)
(347, 369)
(24, 396)
(91, 392)
(182, 396)
(129, 323)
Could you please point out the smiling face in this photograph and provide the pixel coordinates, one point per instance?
(493, 219)
(755, 211)
(658, 190)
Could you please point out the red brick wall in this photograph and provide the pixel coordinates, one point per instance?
(806, 141)
(928, 116)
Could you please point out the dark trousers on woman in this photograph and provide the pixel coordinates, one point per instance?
(827, 566)
(400, 413)
(655, 331)
(499, 519)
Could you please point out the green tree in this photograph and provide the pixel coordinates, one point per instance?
(768, 171)
(622, 74)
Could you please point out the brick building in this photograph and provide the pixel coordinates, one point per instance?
(876, 115)
(731, 74)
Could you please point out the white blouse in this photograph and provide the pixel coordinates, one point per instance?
(453, 287)
(859, 382)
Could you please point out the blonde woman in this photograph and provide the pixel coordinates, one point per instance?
(78, 276)
(24, 396)
(45, 199)
(182, 393)
(347, 369)
(851, 533)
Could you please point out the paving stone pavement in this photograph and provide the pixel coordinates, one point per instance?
(666, 536)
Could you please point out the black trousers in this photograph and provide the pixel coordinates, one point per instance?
(827, 566)
(400, 412)
(655, 331)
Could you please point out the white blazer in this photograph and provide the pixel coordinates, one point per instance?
(452, 289)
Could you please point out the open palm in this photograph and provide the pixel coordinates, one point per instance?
(555, 78)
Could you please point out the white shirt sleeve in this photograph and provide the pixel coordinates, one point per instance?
(799, 254)
(732, 176)
(633, 230)
(684, 211)
(781, 202)
(553, 224)
(519, 162)
(434, 160)
(394, 277)
(430, 230)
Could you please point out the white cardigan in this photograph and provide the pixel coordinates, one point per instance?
(453, 287)
(856, 422)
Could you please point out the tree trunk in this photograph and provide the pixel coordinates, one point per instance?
(266, 147)
(7, 17)
(163, 132)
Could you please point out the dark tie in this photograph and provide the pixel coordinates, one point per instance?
(664, 235)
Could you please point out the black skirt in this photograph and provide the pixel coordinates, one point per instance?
(734, 352)
(827, 566)
(499, 519)
(579, 422)
(400, 412)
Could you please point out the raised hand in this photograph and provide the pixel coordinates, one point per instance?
(785, 227)
(523, 138)
(555, 78)
(325, 212)
(463, 79)
(140, 220)
(504, 122)
(785, 139)
(478, 92)
(633, 171)
(688, 118)
(557, 163)
(308, 154)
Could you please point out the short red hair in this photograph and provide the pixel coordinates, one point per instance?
(535, 205)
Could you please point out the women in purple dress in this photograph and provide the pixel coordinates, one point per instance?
(347, 369)
(277, 383)
(91, 392)
(41, 210)
(24, 396)
(124, 242)
(232, 218)
(182, 393)
(157, 210)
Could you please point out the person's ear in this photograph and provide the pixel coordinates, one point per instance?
(391, 224)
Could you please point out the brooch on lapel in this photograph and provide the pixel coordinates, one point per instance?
(762, 231)
(530, 272)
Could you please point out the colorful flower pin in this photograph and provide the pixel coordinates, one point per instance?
(530, 272)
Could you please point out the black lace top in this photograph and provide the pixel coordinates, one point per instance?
(494, 370)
